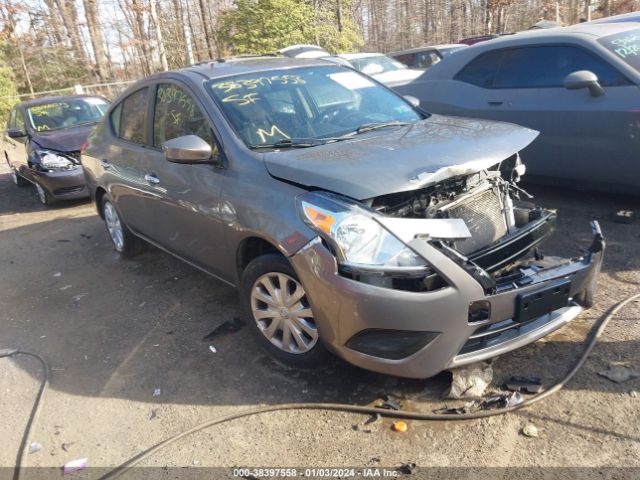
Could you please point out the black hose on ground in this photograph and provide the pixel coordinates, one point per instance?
(36, 404)
(595, 333)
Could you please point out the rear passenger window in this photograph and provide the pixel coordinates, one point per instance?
(20, 121)
(481, 70)
(128, 118)
(176, 115)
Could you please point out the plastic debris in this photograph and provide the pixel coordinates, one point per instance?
(57, 274)
(67, 446)
(75, 465)
(619, 373)
(390, 403)
(407, 468)
(399, 426)
(66, 287)
(470, 381)
(524, 384)
(502, 400)
(35, 447)
(634, 394)
(624, 216)
(530, 430)
(157, 392)
(212, 348)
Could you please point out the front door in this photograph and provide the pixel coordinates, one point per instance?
(183, 205)
(16, 150)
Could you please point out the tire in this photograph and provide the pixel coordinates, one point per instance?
(294, 339)
(124, 242)
(18, 180)
(44, 197)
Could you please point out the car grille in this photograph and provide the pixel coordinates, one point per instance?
(484, 217)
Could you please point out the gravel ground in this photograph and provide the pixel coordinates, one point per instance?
(116, 330)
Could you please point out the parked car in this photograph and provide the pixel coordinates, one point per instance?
(625, 17)
(384, 69)
(577, 85)
(42, 144)
(480, 38)
(421, 58)
(348, 219)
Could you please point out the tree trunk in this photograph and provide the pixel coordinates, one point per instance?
(161, 50)
(97, 40)
(205, 28)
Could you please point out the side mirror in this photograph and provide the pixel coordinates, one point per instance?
(373, 69)
(412, 100)
(584, 79)
(187, 149)
(16, 133)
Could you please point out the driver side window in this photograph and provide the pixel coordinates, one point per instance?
(176, 115)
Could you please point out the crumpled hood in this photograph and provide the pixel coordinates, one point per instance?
(401, 158)
(65, 140)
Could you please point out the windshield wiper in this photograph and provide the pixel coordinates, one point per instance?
(367, 127)
(295, 143)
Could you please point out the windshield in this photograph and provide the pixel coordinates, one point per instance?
(376, 64)
(305, 103)
(67, 113)
(625, 45)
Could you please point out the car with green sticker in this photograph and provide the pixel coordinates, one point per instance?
(42, 144)
(349, 220)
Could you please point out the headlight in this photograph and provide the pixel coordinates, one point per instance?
(360, 242)
(54, 161)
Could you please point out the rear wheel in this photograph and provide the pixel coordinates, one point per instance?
(125, 242)
(277, 302)
(18, 180)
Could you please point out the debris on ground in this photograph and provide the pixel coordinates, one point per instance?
(634, 394)
(212, 348)
(501, 400)
(619, 373)
(157, 392)
(530, 430)
(35, 447)
(154, 414)
(75, 465)
(66, 287)
(407, 468)
(67, 446)
(470, 381)
(225, 328)
(390, 403)
(399, 426)
(624, 216)
(524, 384)
(57, 274)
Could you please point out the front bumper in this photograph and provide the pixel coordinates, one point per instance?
(63, 185)
(344, 307)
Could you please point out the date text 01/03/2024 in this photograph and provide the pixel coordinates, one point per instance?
(315, 472)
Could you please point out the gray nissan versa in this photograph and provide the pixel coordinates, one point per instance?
(42, 144)
(349, 220)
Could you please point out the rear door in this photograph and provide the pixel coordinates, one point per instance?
(183, 203)
(121, 165)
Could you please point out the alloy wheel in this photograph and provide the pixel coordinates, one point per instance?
(114, 226)
(282, 313)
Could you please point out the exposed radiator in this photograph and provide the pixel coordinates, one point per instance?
(484, 217)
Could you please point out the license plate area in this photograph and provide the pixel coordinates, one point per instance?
(539, 302)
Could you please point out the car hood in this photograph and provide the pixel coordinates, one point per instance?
(65, 140)
(398, 77)
(401, 158)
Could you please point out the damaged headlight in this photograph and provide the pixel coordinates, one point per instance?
(54, 161)
(360, 242)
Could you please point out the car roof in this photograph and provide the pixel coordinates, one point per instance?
(625, 17)
(429, 47)
(582, 29)
(238, 66)
(60, 98)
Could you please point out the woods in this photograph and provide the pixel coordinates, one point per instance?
(54, 44)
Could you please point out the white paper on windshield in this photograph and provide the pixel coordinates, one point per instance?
(351, 80)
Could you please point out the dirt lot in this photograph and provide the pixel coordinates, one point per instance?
(115, 330)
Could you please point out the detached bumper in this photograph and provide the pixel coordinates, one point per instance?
(65, 185)
(347, 309)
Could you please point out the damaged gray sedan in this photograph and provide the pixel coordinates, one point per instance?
(349, 220)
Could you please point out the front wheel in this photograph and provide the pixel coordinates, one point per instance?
(276, 301)
(125, 242)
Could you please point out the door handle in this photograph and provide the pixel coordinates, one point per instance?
(495, 103)
(152, 179)
(105, 164)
